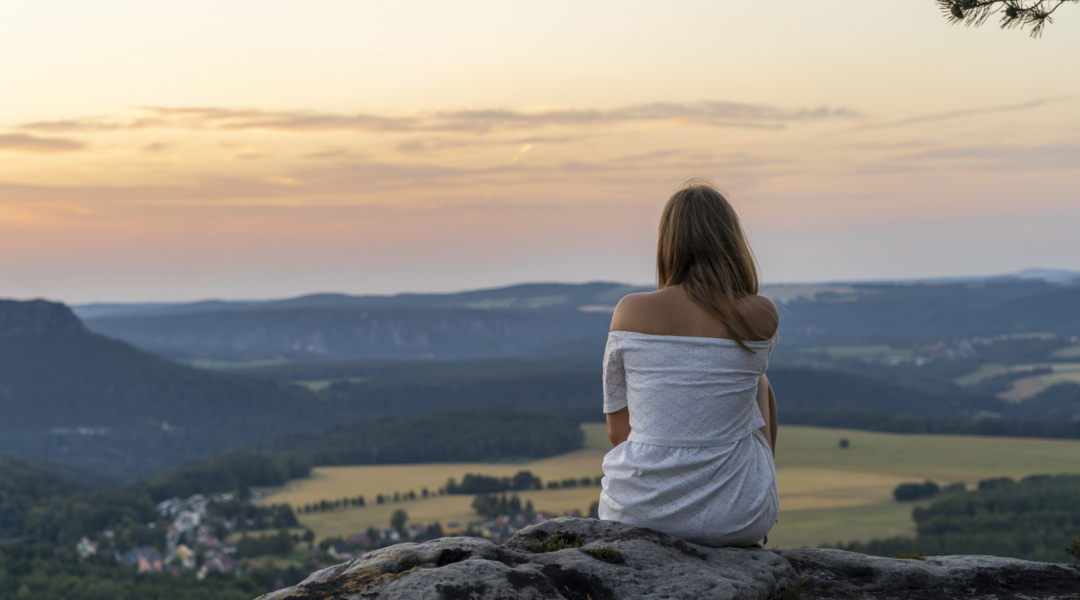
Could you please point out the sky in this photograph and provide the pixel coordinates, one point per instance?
(242, 149)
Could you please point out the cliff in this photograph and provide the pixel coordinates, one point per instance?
(586, 559)
(36, 317)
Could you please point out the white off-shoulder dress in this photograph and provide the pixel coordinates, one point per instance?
(696, 465)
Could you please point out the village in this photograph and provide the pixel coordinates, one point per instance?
(219, 533)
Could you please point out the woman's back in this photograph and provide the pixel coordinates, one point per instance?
(695, 464)
(686, 390)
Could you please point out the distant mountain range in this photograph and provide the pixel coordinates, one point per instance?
(569, 321)
(72, 395)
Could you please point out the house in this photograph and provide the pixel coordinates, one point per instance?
(186, 556)
(454, 528)
(341, 552)
(143, 558)
(219, 564)
(86, 547)
(359, 539)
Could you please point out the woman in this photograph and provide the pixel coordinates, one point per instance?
(689, 409)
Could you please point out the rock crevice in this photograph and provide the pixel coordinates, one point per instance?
(602, 560)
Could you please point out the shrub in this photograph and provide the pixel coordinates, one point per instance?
(906, 492)
(606, 554)
(556, 542)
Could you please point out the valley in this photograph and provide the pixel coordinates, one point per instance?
(827, 494)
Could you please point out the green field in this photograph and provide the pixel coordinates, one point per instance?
(1026, 387)
(827, 494)
(1067, 352)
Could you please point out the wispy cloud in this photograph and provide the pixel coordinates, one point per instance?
(156, 147)
(434, 144)
(649, 156)
(958, 114)
(996, 159)
(21, 142)
(713, 114)
(521, 152)
(332, 154)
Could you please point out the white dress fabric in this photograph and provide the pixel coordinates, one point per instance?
(696, 465)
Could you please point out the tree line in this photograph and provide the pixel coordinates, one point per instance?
(44, 573)
(1036, 518)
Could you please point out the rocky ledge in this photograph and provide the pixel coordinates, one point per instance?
(586, 559)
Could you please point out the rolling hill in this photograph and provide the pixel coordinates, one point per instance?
(70, 394)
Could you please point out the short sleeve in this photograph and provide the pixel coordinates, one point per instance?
(614, 376)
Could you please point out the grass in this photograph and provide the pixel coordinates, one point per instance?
(1073, 548)
(596, 437)
(1026, 387)
(827, 495)
(606, 554)
(983, 372)
(318, 385)
(917, 555)
(205, 363)
(815, 527)
(1067, 352)
(444, 509)
(556, 542)
(941, 458)
(329, 483)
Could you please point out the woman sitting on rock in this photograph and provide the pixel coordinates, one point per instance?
(689, 409)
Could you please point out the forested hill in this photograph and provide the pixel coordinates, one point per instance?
(54, 506)
(67, 393)
(569, 321)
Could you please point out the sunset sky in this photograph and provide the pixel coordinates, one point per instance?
(241, 149)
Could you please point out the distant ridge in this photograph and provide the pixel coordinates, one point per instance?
(1054, 276)
(524, 295)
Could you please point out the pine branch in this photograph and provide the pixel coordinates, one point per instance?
(1034, 14)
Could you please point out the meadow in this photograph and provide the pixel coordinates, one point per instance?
(828, 494)
(1027, 387)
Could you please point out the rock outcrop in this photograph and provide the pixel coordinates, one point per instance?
(586, 559)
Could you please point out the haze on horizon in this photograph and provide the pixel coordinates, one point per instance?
(255, 150)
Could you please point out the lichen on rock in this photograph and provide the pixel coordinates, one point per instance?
(655, 565)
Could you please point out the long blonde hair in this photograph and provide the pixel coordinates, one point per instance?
(703, 248)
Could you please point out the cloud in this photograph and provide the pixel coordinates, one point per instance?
(713, 114)
(649, 156)
(987, 159)
(429, 145)
(331, 154)
(1013, 157)
(21, 142)
(958, 114)
(156, 147)
(521, 152)
(89, 124)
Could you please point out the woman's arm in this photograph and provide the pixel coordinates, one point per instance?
(766, 400)
(618, 426)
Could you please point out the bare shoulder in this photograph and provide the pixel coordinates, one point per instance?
(636, 312)
(761, 313)
(670, 311)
